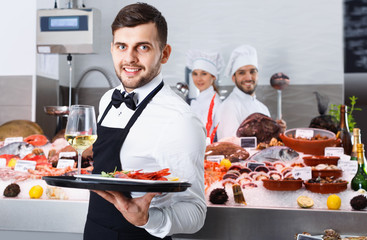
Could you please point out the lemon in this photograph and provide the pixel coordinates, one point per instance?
(12, 162)
(36, 191)
(333, 202)
(225, 163)
(305, 202)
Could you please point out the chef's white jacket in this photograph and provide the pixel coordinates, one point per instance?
(200, 105)
(166, 135)
(234, 110)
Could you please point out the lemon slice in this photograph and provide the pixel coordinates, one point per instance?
(173, 179)
(305, 202)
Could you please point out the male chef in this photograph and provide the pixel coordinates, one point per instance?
(144, 125)
(241, 102)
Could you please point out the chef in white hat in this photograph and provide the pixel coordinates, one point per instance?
(205, 67)
(241, 102)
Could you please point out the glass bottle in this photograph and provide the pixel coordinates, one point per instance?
(343, 134)
(359, 181)
(356, 140)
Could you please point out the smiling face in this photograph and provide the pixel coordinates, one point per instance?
(137, 55)
(202, 79)
(245, 79)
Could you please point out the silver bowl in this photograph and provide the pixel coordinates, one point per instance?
(57, 110)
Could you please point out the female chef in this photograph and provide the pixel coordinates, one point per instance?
(205, 67)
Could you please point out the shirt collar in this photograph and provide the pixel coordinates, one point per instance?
(143, 91)
(207, 92)
(242, 95)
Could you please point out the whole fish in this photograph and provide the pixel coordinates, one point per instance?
(276, 153)
(17, 148)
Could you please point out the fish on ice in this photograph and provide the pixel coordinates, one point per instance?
(20, 149)
(276, 153)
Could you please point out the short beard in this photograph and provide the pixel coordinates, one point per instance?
(142, 81)
(249, 92)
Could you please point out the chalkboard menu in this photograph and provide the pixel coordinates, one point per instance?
(355, 36)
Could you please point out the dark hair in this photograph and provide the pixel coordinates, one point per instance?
(141, 13)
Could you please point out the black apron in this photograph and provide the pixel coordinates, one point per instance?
(104, 221)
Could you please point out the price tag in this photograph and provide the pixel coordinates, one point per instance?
(248, 142)
(306, 237)
(12, 139)
(304, 133)
(24, 165)
(2, 162)
(215, 158)
(252, 165)
(67, 154)
(348, 167)
(64, 163)
(303, 173)
(334, 151)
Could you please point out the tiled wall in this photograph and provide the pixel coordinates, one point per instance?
(15, 98)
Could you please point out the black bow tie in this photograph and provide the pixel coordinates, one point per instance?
(118, 98)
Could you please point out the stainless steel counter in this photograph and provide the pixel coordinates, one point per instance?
(42, 219)
(57, 219)
(276, 223)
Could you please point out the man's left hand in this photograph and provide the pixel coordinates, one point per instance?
(135, 210)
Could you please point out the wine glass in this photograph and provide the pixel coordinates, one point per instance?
(81, 129)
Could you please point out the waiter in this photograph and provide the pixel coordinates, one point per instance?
(205, 67)
(241, 102)
(144, 125)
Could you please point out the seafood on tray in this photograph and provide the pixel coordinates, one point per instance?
(139, 174)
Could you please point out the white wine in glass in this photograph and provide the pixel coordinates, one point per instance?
(81, 129)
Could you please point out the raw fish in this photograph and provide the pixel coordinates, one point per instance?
(275, 153)
(20, 149)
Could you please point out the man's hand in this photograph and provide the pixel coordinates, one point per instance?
(135, 210)
(282, 124)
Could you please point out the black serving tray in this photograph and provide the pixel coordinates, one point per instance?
(116, 184)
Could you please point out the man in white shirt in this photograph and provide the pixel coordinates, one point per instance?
(153, 130)
(241, 102)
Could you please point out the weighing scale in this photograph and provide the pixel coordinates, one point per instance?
(66, 31)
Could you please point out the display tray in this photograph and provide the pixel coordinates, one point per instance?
(316, 160)
(282, 185)
(326, 187)
(94, 182)
(335, 173)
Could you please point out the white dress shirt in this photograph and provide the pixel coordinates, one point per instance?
(200, 105)
(166, 135)
(234, 110)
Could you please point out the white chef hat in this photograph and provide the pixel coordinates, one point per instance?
(211, 62)
(241, 56)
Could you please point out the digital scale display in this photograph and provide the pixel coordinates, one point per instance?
(64, 23)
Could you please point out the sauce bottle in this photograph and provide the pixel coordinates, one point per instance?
(343, 134)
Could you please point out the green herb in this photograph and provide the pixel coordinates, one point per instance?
(110, 175)
(335, 112)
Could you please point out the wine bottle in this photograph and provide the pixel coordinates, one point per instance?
(356, 140)
(343, 134)
(359, 181)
